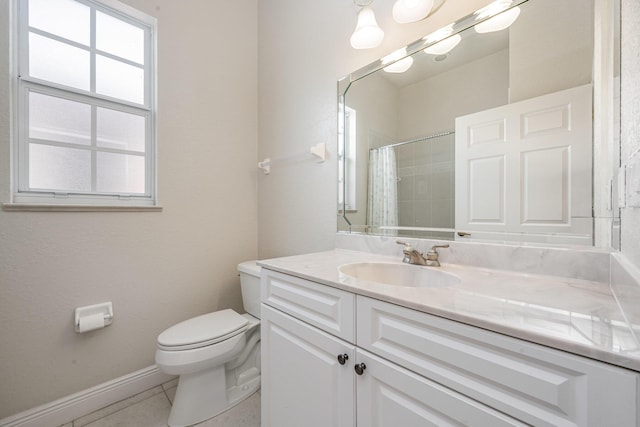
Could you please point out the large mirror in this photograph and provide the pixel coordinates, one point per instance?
(503, 126)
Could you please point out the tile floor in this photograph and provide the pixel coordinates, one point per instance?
(151, 409)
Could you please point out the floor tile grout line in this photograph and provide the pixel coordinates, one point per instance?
(167, 396)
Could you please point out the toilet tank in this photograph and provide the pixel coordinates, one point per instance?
(250, 286)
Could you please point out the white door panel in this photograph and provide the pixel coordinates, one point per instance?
(526, 167)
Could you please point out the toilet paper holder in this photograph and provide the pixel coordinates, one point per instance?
(91, 311)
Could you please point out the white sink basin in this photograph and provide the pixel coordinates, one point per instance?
(399, 274)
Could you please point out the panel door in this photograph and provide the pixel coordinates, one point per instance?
(526, 167)
(391, 396)
(303, 384)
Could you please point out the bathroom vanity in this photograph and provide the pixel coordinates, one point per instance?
(478, 154)
(490, 348)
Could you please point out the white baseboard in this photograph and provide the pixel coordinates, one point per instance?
(74, 406)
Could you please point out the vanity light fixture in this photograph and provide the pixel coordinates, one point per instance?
(501, 17)
(367, 34)
(397, 65)
(445, 42)
(405, 11)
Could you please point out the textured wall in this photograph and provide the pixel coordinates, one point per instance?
(159, 267)
(303, 50)
(630, 130)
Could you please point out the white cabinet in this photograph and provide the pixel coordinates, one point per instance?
(417, 369)
(304, 383)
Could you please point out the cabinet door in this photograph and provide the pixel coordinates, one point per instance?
(303, 383)
(390, 396)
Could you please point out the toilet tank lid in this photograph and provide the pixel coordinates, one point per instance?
(249, 267)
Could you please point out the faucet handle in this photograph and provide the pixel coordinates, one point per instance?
(434, 247)
(407, 246)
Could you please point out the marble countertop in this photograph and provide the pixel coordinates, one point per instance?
(574, 315)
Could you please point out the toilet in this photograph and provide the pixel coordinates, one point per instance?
(216, 355)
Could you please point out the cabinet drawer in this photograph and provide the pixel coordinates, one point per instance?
(532, 383)
(324, 307)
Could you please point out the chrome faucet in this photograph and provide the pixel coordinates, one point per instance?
(412, 256)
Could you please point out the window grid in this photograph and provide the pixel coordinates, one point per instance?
(91, 49)
(92, 147)
(28, 84)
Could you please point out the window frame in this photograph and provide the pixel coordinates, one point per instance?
(23, 198)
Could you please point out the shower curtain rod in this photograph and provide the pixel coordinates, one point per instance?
(424, 138)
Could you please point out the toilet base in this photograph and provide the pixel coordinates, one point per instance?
(204, 395)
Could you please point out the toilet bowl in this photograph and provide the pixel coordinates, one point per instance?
(216, 355)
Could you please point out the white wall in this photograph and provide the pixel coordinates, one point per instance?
(303, 50)
(541, 65)
(630, 132)
(158, 267)
(432, 105)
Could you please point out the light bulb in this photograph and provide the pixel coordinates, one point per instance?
(492, 9)
(444, 46)
(398, 60)
(498, 22)
(399, 66)
(411, 10)
(367, 33)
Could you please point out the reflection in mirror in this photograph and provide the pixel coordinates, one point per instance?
(485, 131)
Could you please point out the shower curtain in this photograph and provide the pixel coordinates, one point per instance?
(383, 180)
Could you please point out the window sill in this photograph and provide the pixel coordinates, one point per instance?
(32, 207)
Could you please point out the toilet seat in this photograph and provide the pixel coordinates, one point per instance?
(203, 331)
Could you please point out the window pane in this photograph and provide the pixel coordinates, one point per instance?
(64, 18)
(59, 168)
(119, 80)
(120, 173)
(58, 119)
(117, 129)
(58, 62)
(119, 38)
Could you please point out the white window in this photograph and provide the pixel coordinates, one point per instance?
(347, 159)
(85, 113)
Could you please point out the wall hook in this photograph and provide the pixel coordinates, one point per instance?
(265, 165)
(320, 151)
